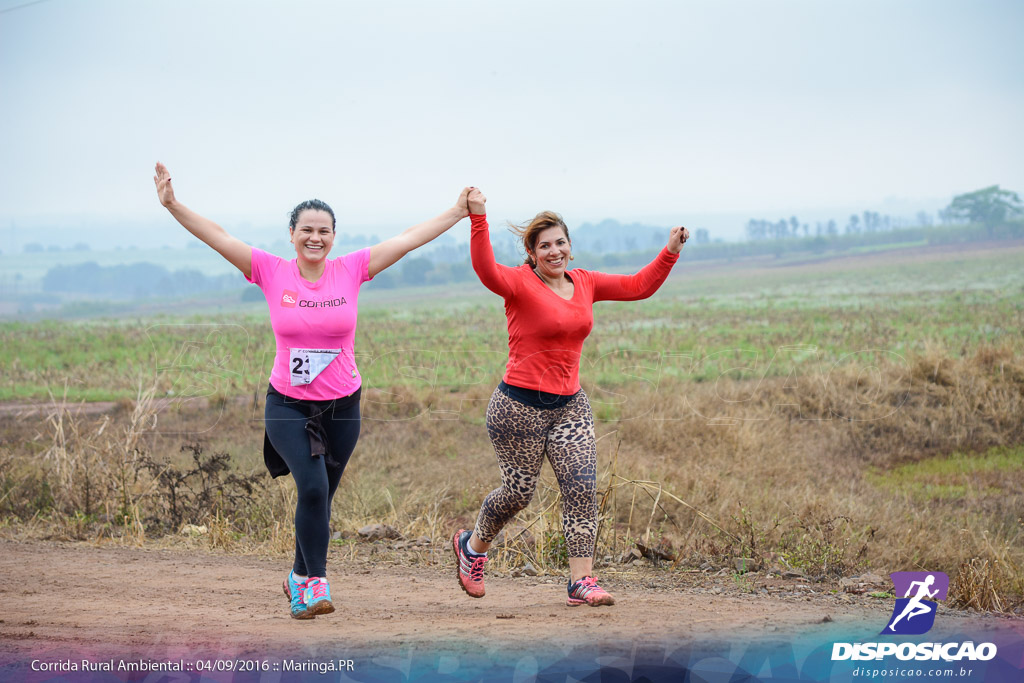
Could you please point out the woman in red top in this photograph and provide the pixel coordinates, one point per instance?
(539, 407)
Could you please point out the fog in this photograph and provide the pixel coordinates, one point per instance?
(700, 113)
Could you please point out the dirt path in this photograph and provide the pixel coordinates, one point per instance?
(100, 601)
(21, 410)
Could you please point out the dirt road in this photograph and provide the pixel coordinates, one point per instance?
(76, 600)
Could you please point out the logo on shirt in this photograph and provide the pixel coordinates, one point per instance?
(307, 303)
(289, 299)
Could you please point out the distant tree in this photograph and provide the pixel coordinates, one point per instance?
(80, 246)
(869, 221)
(924, 219)
(414, 271)
(82, 277)
(701, 236)
(831, 229)
(461, 272)
(33, 248)
(781, 229)
(385, 280)
(989, 206)
(133, 279)
(794, 225)
(807, 230)
(853, 227)
(754, 230)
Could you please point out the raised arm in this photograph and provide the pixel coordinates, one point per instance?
(237, 252)
(492, 274)
(389, 251)
(643, 284)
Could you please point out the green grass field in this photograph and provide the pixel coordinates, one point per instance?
(748, 320)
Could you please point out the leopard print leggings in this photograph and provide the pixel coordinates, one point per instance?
(521, 435)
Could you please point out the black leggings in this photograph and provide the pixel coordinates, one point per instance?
(316, 483)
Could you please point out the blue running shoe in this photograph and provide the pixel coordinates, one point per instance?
(294, 591)
(317, 596)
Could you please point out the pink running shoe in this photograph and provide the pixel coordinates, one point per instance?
(587, 592)
(470, 567)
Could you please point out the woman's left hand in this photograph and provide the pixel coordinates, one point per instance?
(677, 238)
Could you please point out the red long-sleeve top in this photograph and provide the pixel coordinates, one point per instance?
(545, 331)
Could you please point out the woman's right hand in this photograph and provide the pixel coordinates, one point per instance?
(162, 180)
(237, 252)
(462, 205)
(477, 200)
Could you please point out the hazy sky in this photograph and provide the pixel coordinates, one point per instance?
(657, 111)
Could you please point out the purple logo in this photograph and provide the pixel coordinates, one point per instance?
(914, 612)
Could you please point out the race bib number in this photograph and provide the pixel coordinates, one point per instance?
(306, 364)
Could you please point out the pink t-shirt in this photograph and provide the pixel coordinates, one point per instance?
(313, 316)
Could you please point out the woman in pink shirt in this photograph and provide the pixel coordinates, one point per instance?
(539, 408)
(312, 412)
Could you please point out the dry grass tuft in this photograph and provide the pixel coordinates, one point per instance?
(975, 587)
(883, 465)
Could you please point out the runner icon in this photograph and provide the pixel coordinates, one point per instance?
(916, 606)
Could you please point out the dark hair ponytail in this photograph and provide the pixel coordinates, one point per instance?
(312, 204)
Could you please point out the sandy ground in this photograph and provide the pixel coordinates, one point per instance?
(77, 599)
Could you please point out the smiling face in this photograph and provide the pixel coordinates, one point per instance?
(551, 252)
(313, 235)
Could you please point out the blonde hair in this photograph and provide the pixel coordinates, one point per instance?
(528, 232)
